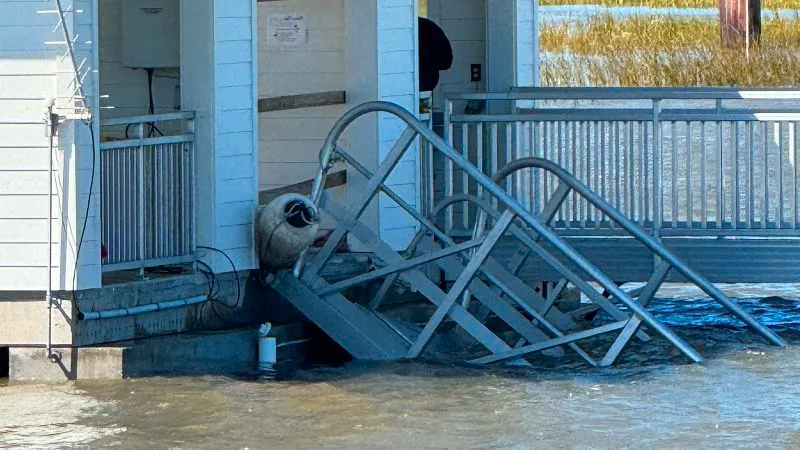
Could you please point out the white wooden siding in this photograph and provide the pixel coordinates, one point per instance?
(32, 69)
(290, 141)
(236, 132)
(397, 83)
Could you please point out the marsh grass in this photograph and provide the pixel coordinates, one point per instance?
(662, 51)
(766, 4)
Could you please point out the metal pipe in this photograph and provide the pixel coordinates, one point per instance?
(52, 124)
(139, 310)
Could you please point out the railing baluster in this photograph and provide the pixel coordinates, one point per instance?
(560, 159)
(630, 172)
(735, 169)
(537, 180)
(596, 169)
(534, 199)
(794, 146)
(766, 176)
(689, 169)
(574, 154)
(643, 178)
(720, 168)
(448, 165)
(617, 169)
(674, 167)
(495, 144)
(588, 169)
(658, 157)
(479, 152)
(140, 187)
(464, 176)
(780, 175)
(507, 154)
(751, 196)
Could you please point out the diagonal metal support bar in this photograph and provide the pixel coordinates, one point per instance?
(647, 293)
(522, 351)
(382, 291)
(546, 216)
(493, 302)
(420, 282)
(544, 322)
(394, 268)
(370, 190)
(554, 294)
(461, 283)
(493, 269)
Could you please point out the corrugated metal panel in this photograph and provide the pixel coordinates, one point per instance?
(720, 260)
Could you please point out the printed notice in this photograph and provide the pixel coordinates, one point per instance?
(287, 30)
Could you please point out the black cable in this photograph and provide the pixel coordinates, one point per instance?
(212, 297)
(151, 105)
(89, 124)
(236, 272)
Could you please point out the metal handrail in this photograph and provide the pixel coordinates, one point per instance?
(185, 115)
(624, 93)
(597, 201)
(544, 232)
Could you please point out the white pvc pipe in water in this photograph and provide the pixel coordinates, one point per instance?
(267, 349)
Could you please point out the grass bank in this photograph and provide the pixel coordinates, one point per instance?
(765, 4)
(662, 51)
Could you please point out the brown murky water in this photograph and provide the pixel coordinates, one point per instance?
(745, 396)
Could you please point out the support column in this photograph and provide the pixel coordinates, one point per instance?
(382, 64)
(511, 47)
(218, 76)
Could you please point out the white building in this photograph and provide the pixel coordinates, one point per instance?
(227, 80)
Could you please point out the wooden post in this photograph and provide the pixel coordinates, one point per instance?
(740, 22)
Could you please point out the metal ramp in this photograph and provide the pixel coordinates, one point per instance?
(533, 320)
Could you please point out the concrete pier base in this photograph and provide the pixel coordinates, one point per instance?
(191, 354)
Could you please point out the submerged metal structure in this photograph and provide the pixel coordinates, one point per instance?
(484, 290)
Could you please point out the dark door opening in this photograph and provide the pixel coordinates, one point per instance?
(4, 362)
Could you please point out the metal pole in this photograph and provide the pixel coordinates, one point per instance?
(52, 128)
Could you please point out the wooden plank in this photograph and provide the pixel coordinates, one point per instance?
(302, 101)
(333, 180)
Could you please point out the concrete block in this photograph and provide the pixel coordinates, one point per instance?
(25, 322)
(101, 363)
(189, 354)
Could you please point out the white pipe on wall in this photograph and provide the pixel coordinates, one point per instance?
(144, 309)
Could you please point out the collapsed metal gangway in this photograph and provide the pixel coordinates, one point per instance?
(483, 287)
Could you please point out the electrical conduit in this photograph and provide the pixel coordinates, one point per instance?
(144, 309)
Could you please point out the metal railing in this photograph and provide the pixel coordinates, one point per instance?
(147, 184)
(681, 162)
(476, 272)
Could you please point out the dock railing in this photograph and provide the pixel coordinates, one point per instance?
(679, 162)
(147, 182)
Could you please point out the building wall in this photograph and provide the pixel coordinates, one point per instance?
(124, 90)
(236, 131)
(464, 23)
(382, 65)
(398, 69)
(290, 140)
(32, 69)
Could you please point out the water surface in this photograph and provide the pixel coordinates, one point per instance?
(745, 396)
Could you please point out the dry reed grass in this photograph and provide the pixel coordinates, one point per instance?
(661, 51)
(766, 4)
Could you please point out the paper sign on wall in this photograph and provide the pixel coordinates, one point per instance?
(287, 30)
